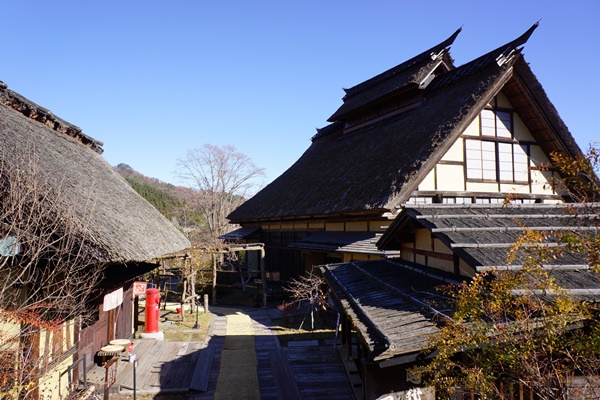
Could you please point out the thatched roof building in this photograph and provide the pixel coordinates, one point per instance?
(424, 131)
(413, 165)
(392, 129)
(124, 226)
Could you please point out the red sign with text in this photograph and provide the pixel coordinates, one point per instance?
(139, 288)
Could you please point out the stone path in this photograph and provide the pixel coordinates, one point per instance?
(237, 372)
(241, 359)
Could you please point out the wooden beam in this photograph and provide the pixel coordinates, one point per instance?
(263, 277)
(428, 253)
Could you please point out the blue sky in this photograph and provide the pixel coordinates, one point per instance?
(153, 79)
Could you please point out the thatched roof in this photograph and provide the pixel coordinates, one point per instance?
(124, 226)
(373, 168)
(403, 77)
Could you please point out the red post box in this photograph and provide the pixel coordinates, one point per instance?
(152, 310)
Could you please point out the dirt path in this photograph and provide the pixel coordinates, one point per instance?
(237, 372)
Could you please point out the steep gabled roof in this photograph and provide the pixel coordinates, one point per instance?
(124, 226)
(406, 76)
(374, 168)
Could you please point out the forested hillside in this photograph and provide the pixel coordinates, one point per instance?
(174, 202)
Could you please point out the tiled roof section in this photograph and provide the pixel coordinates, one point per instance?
(44, 116)
(401, 77)
(483, 234)
(390, 303)
(240, 233)
(345, 242)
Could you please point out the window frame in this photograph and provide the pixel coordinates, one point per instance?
(497, 141)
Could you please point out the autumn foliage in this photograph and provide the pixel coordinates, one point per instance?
(518, 330)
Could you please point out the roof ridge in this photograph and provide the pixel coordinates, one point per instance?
(428, 55)
(34, 111)
(513, 206)
(502, 56)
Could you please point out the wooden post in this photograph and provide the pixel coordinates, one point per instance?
(192, 285)
(263, 276)
(110, 376)
(214, 284)
(111, 325)
(183, 297)
(205, 303)
(136, 312)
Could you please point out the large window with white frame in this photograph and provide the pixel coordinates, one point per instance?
(494, 155)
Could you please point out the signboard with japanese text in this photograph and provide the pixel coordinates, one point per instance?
(113, 300)
(111, 373)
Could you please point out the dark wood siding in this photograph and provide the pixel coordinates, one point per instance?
(279, 257)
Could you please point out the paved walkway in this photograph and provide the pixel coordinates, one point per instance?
(241, 359)
(237, 372)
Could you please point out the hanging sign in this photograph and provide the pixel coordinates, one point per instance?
(113, 300)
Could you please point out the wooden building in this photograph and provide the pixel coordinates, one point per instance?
(404, 191)
(425, 131)
(394, 306)
(125, 232)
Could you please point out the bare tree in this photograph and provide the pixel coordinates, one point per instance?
(223, 179)
(47, 270)
(308, 289)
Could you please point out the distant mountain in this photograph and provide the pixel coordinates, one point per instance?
(174, 202)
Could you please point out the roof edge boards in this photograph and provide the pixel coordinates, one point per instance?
(546, 267)
(503, 216)
(513, 228)
(532, 100)
(524, 205)
(312, 218)
(503, 245)
(355, 305)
